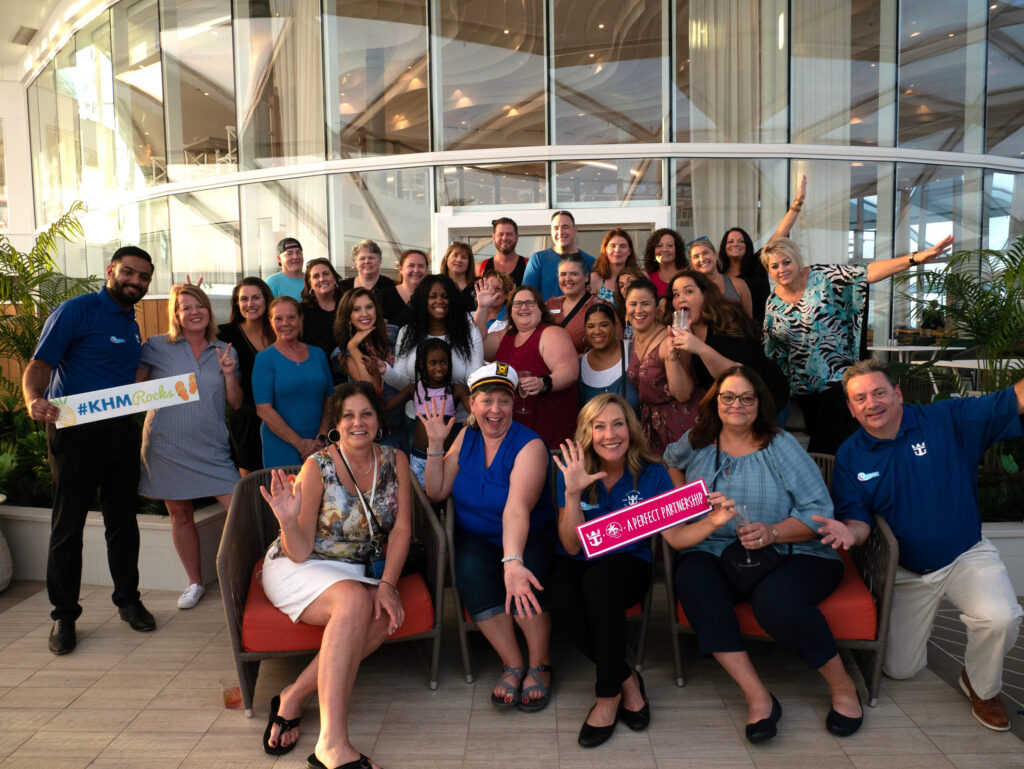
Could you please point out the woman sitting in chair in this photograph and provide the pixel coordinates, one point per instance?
(607, 467)
(327, 567)
(753, 468)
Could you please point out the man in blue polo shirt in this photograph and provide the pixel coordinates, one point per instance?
(542, 269)
(89, 343)
(917, 467)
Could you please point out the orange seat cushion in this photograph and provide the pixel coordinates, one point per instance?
(267, 629)
(634, 611)
(849, 610)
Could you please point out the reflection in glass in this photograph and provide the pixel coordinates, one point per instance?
(731, 71)
(522, 185)
(204, 234)
(67, 123)
(138, 91)
(199, 88)
(608, 73)
(390, 207)
(293, 208)
(625, 181)
(96, 109)
(1003, 126)
(844, 72)
(492, 74)
(278, 71)
(715, 194)
(942, 73)
(376, 77)
(145, 224)
(1004, 209)
(45, 145)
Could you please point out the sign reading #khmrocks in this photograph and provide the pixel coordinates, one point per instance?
(644, 519)
(126, 399)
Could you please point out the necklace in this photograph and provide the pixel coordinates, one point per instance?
(641, 355)
(373, 482)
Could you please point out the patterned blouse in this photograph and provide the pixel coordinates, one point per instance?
(815, 340)
(342, 532)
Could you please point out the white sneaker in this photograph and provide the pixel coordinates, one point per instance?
(191, 596)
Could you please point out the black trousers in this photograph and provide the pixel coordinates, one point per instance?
(827, 420)
(785, 604)
(99, 455)
(588, 599)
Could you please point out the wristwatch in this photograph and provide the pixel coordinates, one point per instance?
(775, 532)
(547, 384)
(913, 261)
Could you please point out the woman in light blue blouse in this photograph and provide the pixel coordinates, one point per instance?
(751, 466)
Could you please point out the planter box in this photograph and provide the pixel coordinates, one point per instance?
(1009, 538)
(27, 530)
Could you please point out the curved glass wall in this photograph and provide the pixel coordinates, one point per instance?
(181, 112)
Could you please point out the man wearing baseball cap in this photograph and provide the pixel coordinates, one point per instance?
(290, 280)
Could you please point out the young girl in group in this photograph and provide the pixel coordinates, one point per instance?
(433, 381)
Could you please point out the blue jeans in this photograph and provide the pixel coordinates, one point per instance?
(480, 575)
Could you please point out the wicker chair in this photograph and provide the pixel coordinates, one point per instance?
(249, 529)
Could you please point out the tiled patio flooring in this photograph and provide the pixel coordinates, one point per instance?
(154, 700)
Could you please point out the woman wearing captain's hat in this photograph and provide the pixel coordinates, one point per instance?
(496, 472)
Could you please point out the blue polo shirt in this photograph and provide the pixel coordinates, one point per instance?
(92, 343)
(654, 480)
(924, 482)
(542, 271)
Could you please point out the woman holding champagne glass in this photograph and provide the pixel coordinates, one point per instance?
(747, 462)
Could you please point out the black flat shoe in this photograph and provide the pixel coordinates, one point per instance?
(62, 636)
(764, 730)
(637, 720)
(592, 736)
(137, 616)
(844, 726)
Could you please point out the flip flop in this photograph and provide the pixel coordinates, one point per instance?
(285, 724)
(513, 689)
(312, 762)
(525, 703)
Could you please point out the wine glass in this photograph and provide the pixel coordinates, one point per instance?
(680, 320)
(523, 406)
(743, 519)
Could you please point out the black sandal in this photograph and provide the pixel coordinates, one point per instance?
(285, 724)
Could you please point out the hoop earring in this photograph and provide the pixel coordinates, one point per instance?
(380, 433)
(333, 436)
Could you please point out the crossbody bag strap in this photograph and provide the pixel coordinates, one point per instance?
(371, 518)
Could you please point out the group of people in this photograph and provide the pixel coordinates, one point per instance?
(638, 377)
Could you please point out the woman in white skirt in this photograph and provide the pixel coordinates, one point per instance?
(326, 568)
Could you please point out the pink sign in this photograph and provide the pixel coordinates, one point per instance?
(644, 519)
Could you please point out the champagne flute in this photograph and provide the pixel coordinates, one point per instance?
(680, 320)
(743, 519)
(523, 406)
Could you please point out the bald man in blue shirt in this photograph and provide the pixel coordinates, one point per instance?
(917, 467)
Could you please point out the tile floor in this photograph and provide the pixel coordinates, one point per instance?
(154, 700)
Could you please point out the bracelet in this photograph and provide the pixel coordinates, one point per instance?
(547, 384)
(385, 582)
(435, 453)
(510, 558)
(798, 207)
(776, 533)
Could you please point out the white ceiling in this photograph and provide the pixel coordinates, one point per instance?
(15, 14)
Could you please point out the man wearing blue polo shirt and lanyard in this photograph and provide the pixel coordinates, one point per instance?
(90, 343)
(917, 467)
(542, 269)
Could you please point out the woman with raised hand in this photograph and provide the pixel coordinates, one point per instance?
(291, 383)
(345, 522)
(606, 468)
(496, 473)
(759, 544)
(249, 332)
(186, 453)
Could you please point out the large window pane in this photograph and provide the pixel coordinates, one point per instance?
(942, 74)
(96, 109)
(1004, 128)
(608, 72)
(731, 71)
(492, 74)
(625, 181)
(1004, 209)
(138, 91)
(390, 207)
(204, 238)
(67, 123)
(377, 77)
(521, 185)
(199, 88)
(844, 84)
(46, 146)
(278, 69)
(294, 208)
(4, 218)
(715, 194)
(145, 224)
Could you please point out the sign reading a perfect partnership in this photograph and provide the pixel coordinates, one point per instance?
(644, 519)
(126, 399)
